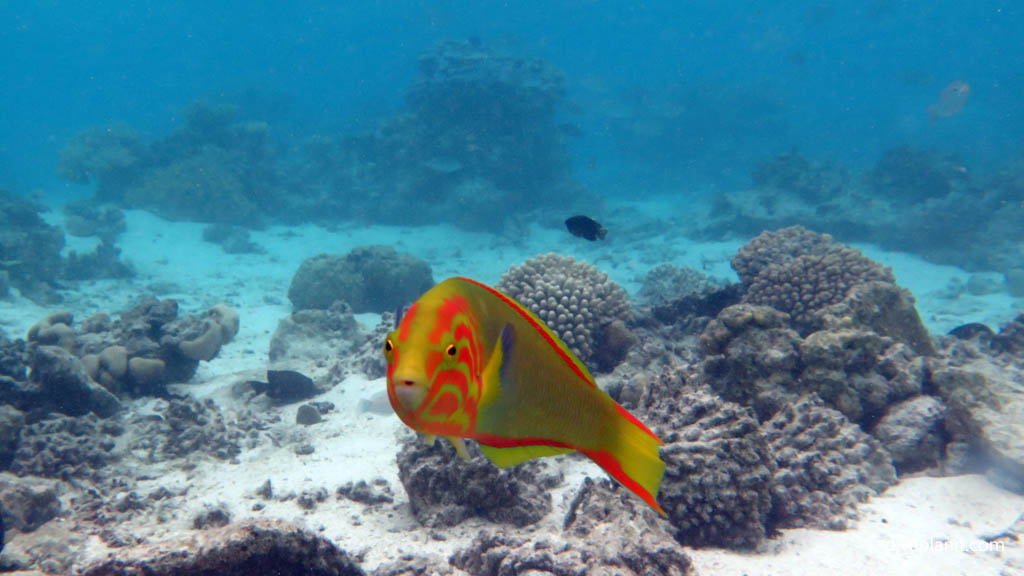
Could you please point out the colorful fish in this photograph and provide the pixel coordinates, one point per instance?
(951, 101)
(468, 361)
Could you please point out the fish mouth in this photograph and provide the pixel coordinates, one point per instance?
(409, 392)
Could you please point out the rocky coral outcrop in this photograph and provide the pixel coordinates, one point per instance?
(913, 432)
(29, 250)
(250, 548)
(148, 347)
(826, 465)
(369, 279)
(985, 414)
(586, 309)
(719, 467)
(28, 503)
(316, 334)
(67, 447)
(182, 427)
(444, 490)
(753, 357)
(606, 533)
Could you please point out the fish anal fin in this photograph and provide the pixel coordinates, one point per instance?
(505, 457)
(460, 447)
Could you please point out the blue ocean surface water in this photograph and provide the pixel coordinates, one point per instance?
(785, 239)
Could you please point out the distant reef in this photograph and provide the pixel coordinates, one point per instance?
(30, 248)
(919, 201)
(478, 135)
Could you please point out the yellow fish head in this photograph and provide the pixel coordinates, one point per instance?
(434, 363)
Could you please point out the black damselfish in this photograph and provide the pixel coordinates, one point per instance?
(585, 227)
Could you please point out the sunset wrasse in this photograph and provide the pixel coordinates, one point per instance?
(468, 361)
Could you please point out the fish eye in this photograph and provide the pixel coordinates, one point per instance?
(388, 346)
(450, 350)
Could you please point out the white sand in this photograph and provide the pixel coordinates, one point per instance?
(919, 514)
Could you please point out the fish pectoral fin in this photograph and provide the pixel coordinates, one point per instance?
(505, 457)
(495, 369)
(460, 447)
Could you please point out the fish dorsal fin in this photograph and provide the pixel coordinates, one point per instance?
(543, 331)
(505, 457)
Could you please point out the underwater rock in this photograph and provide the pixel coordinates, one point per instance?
(218, 327)
(54, 330)
(752, 357)
(606, 532)
(444, 490)
(184, 427)
(211, 517)
(912, 432)
(66, 386)
(667, 283)
(67, 447)
(1010, 340)
(800, 273)
(377, 492)
(12, 359)
(369, 278)
(719, 467)
(986, 413)
(84, 218)
(12, 421)
(316, 335)
(248, 548)
(28, 503)
(886, 309)
(609, 536)
(826, 466)
(307, 415)
(103, 262)
(576, 300)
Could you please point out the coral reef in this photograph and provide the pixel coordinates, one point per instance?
(85, 218)
(250, 548)
(719, 467)
(479, 135)
(445, 490)
(825, 466)
(315, 334)
(667, 283)
(29, 250)
(755, 358)
(212, 168)
(183, 427)
(66, 447)
(28, 503)
(913, 433)
(369, 279)
(913, 200)
(800, 272)
(605, 533)
(578, 302)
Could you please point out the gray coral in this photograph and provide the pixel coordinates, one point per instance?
(578, 302)
(826, 466)
(606, 532)
(719, 468)
(800, 272)
(444, 490)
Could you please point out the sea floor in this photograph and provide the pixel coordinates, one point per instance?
(924, 524)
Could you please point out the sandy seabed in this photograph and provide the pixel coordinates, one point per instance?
(922, 525)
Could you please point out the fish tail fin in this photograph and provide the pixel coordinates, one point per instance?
(632, 458)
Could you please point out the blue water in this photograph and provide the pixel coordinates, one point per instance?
(839, 80)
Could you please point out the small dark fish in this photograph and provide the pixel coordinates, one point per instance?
(585, 227)
(972, 330)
